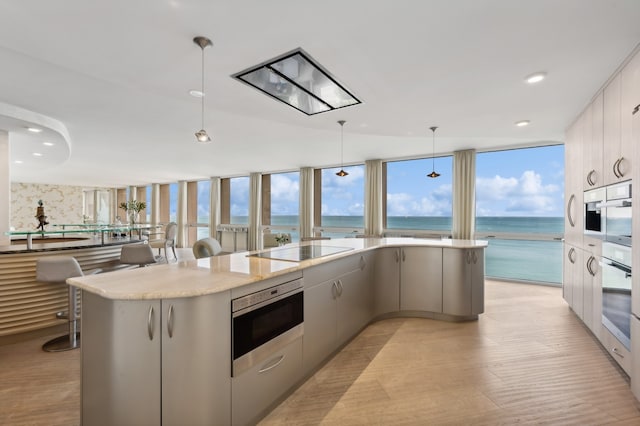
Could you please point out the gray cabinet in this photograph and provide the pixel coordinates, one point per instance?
(338, 303)
(463, 283)
(421, 279)
(255, 391)
(592, 288)
(156, 362)
(386, 281)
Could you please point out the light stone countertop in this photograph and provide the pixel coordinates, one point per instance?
(222, 273)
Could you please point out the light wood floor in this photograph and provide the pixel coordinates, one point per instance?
(527, 360)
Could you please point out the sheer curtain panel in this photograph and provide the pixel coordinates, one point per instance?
(464, 194)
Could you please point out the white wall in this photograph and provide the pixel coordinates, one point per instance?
(5, 185)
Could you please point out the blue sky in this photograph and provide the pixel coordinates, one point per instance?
(519, 182)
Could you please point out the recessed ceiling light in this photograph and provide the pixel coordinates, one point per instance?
(47, 143)
(18, 162)
(196, 93)
(535, 77)
(34, 129)
(522, 123)
(37, 154)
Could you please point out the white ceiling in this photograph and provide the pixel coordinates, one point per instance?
(117, 75)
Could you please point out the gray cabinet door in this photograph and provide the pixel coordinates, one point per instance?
(463, 283)
(320, 308)
(196, 345)
(386, 279)
(355, 301)
(421, 279)
(120, 361)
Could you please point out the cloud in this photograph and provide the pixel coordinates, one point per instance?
(436, 203)
(500, 196)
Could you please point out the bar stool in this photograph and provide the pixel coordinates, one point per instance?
(56, 270)
(140, 254)
(206, 247)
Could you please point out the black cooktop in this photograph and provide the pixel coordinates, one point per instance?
(297, 254)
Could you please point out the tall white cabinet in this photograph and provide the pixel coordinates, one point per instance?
(602, 147)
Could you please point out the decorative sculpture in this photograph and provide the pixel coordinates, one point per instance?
(41, 216)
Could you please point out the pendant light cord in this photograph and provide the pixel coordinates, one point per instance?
(202, 99)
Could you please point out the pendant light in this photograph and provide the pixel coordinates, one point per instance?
(342, 173)
(433, 174)
(201, 135)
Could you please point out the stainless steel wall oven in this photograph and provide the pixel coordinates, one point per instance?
(265, 321)
(616, 291)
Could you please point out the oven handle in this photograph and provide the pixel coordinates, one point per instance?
(272, 364)
(619, 266)
(266, 302)
(614, 203)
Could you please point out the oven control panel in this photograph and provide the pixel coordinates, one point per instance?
(264, 295)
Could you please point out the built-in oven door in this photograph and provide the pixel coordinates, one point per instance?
(618, 213)
(261, 329)
(616, 291)
(593, 213)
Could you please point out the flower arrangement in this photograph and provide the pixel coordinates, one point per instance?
(282, 239)
(133, 207)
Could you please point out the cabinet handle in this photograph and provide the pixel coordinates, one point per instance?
(615, 351)
(475, 257)
(170, 322)
(636, 109)
(570, 255)
(340, 287)
(620, 173)
(616, 169)
(590, 180)
(334, 290)
(397, 256)
(404, 255)
(150, 323)
(272, 364)
(363, 263)
(572, 199)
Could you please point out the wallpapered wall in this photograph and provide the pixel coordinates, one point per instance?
(62, 204)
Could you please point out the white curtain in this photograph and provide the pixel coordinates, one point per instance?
(373, 222)
(113, 205)
(133, 192)
(255, 211)
(214, 207)
(464, 194)
(306, 202)
(155, 203)
(181, 215)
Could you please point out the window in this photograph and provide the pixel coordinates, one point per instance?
(203, 205)
(416, 202)
(342, 202)
(149, 206)
(173, 202)
(519, 202)
(239, 198)
(284, 197)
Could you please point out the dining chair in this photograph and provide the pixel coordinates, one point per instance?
(206, 247)
(169, 240)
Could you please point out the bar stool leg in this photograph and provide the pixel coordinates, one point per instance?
(71, 340)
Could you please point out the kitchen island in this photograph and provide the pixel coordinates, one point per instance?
(160, 344)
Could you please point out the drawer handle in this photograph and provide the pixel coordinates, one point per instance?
(170, 322)
(150, 323)
(272, 364)
(615, 351)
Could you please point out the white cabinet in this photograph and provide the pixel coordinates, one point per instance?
(592, 288)
(156, 362)
(421, 279)
(255, 391)
(386, 281)
(463, 282)
(592, 137)
(573, 195)
(572, 289)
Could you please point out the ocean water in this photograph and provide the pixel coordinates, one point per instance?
(527, 260)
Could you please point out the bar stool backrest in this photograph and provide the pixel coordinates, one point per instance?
(56, 269)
